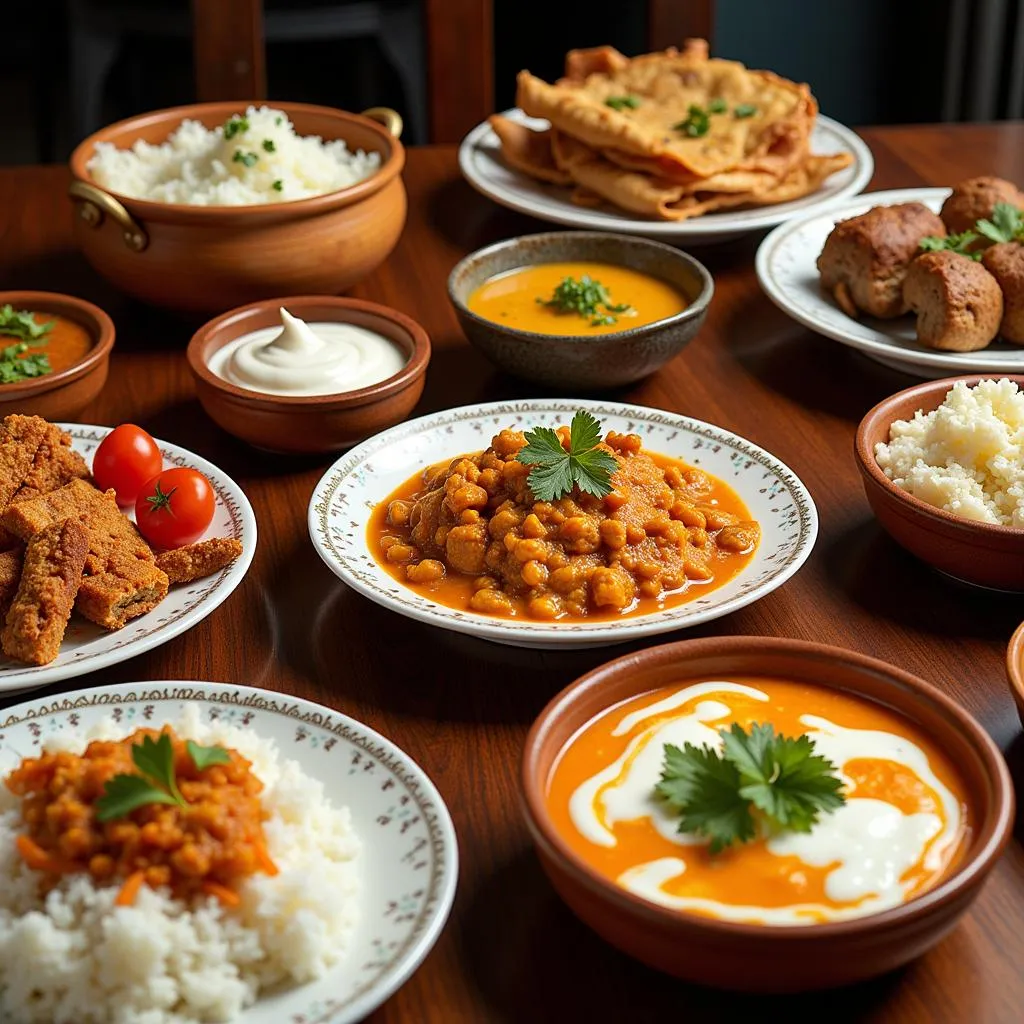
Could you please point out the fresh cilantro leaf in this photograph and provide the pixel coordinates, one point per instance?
(15, 366)
(1006, 225)
(278, 121)
(204, 757)
(717, 106)
(622, 102)
(556, 471)
(743, 110)
(234, 126)
(268, 145)
(696, 123)
(704, 789)
(21, 324)
(602, 321)
(960, 243)
(758, 774)
(126, 793)
(278, 185)
(584, 297)
(155, 759)
(248, 159)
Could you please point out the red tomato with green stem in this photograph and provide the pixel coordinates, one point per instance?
(125, 460)
(175, 508)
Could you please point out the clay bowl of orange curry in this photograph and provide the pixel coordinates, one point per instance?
(875, 810)
(581, 310)
(56, 353)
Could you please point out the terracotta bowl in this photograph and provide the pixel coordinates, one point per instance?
(62, 395)
(211, 258)
(760, 957)
(980, 553)
(320, 423)
(583, 363)
(1015, 668)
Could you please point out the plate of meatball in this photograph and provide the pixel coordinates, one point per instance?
(929, 281)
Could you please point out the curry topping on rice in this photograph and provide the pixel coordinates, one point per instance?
(609, 529)
(150, 809)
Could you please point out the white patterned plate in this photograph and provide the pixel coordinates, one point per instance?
(786, 268)
(343, 500)
(485, 169)
(409, 860)
(88, 647)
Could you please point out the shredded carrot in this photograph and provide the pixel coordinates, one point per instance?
(36, 857)
(130, 889)
(227, 896)
(264, 861)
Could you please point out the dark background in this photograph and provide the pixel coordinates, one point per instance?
(868, 61)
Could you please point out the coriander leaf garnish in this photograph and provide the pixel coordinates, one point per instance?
(742, 110)
(126, 793)
(248, 159)
(20, 323)
(556, 471)
(696, 123)
(15, 367)
(203, 757)
(234, 126)
(155, 759)
(278, 185)
(757, 775)
(278, 121)
(583, 297)
(960, 243)
(1006, 225)
(622, 102)
(268, 145)
(717, 106)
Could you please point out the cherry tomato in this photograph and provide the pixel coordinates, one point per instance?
(174, 508)
(126, 458)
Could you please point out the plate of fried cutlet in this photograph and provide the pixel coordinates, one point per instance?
(80, 589)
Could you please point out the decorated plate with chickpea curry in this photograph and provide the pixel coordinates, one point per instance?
(157, 842)
(788, 270)
(553, 523)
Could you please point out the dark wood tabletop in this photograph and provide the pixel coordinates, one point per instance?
(511, 951)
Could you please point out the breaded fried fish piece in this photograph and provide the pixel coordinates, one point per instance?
(194, 561)
(10, 575)
(129, 589)
(52, 573)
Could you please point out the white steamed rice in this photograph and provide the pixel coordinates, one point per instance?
(75, 958)
(198, 166)
(967, 456)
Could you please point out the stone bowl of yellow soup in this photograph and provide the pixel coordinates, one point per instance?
(764, 814)
(580, 309)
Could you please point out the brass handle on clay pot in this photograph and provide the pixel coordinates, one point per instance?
(94, 204)
(391, 119)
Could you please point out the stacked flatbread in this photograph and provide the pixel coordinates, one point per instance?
(668, 135)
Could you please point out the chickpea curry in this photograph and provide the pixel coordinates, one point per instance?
(475, 534)
(191, 821)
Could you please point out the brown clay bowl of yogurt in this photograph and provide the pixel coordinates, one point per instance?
(312, 373)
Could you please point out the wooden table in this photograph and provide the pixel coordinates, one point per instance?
(461, 707)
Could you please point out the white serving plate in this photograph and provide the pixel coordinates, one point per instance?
(484, 168)
(88, 647)
(786, 268)
(344, 499)
(409, 861)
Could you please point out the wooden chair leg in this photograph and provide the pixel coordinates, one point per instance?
(228, 50)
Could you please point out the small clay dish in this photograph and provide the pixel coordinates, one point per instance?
(63, 394)
(318, 423)
(981, 553)
(756, 957)
(1015, 668)
(584, 363)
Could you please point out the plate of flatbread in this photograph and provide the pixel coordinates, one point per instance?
(672, 145)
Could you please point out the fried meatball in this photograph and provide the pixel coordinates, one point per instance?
(1005, 262)
(865, 258)
(957, 301)
(975, 199)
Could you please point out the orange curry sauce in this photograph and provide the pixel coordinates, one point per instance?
(678, 495)
(65, 344)
(750, 875)
(208, 847)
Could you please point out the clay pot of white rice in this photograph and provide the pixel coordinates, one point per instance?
(206, 207)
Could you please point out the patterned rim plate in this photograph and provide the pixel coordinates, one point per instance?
(484, 168)
(343, 500)
(88, 647)
(409, 858)
(786, 269)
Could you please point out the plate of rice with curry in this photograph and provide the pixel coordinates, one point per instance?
(670, 145)
(569, 524)
(189, 852)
